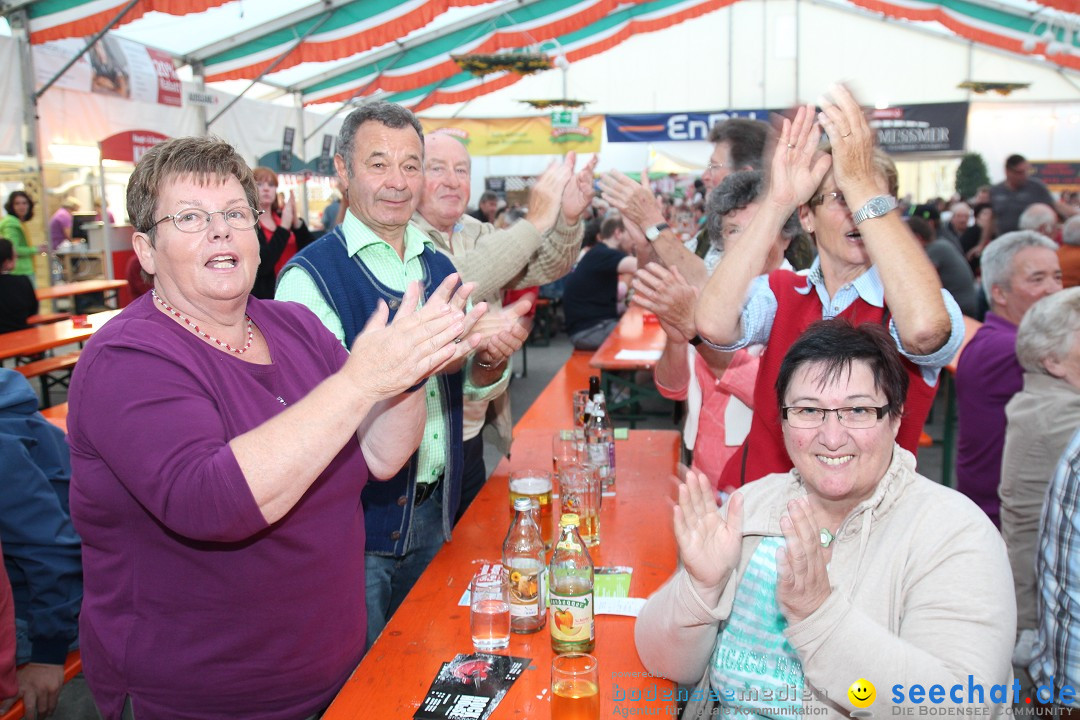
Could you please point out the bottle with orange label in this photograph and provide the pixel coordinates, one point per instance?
(523, 558)
(570, 596)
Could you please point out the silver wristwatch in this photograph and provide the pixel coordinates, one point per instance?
(653, 231)
(875, 207)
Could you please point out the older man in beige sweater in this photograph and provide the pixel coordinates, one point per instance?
(534, 251)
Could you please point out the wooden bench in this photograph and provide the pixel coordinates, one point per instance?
(44, 368)
(57, 415)
(47, 318)
(72, 667)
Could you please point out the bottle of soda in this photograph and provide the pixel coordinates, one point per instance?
(523, 558)
(600, 442)
(594, 387)
(571, 595)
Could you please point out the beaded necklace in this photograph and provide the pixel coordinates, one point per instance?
(193, 326)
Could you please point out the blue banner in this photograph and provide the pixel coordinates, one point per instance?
(666, 127)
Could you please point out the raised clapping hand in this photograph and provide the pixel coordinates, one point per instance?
(852, 141)
(709, 545)
(288, 213)
(635, 200)
(503, 333)
(578, 193)
(803, 580)
(668, 294)
(387, 359)
(545, 197)
(797, 167)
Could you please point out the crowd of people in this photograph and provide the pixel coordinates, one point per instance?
(280, 406)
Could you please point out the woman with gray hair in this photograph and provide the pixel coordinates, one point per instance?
(1041, 420)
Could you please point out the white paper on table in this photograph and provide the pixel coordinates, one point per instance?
(638, 354)
(618, 606)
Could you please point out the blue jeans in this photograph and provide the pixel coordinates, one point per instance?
(474, 474)
(387, 580)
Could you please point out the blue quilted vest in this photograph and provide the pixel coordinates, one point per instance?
(353, 291)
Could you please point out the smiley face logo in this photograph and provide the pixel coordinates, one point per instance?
(862, 693)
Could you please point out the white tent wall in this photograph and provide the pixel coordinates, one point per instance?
(1038, 131)
(10, 112)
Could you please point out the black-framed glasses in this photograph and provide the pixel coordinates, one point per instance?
(858, 417)
(832, 199)
(193, 220)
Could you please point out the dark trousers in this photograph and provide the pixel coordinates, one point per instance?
(474, 473)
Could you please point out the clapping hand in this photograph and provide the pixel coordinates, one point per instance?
(803, 580)
(797, 167)
(546, 195)
(709, 545)
(503, 333)
(578, 193)
(667, 294)
(387, 359)
(288, 213)
(635, 200)
(852, 142)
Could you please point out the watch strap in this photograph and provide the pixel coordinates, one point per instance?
(653, 232)
(875, 207)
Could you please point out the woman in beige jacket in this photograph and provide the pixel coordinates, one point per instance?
(849, 573)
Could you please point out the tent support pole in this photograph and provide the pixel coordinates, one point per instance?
(270, 68)
(93, 41)
(199, 76)
(31, 132)
(299, 99)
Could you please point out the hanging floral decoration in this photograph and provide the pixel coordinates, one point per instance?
(520, 63)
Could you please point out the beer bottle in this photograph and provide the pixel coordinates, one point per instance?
(571, 594)
(594, 387)
(600, 442)
(523, 558)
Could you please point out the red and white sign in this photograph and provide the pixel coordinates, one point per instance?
(129, 146)
(113, 66)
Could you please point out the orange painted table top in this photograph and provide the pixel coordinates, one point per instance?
(636, 331)
(79, 288)
(46, 337)
(431, 628)
(553, 409)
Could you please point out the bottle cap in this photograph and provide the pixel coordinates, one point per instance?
(524, 503)
(569, 519)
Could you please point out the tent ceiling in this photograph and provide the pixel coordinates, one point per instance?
(337, 50)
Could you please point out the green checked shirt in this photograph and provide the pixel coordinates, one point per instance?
(296, 285)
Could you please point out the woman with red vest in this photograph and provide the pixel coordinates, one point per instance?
(281, 231)
(846, 196)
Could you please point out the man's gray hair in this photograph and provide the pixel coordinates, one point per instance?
(997, 259)
(738, 190)
(1036, 216)
(1070, 233)
(385, 113)
(1048, 330)
(960, 207)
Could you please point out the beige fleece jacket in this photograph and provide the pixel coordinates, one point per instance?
(921, 594)
(497, 260)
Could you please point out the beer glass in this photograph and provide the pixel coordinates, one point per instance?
(564, 449)
(575, 687)
(580, 492)
(535, 485)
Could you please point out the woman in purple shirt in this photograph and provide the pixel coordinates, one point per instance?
(219, 446)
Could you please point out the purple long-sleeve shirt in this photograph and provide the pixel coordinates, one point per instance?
(987, 376)
(194, 606)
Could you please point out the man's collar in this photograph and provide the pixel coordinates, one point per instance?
(359, 236)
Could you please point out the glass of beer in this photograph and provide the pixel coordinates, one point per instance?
(580, 492)
(535, 485)
(489, 609)
(575, 687)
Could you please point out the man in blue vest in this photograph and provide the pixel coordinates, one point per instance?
(374, 254)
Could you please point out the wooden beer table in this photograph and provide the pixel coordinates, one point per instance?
(431, 628)
(81, 287)
(40, 338)
(639, 339)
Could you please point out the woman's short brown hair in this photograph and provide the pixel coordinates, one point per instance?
(206, 159)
